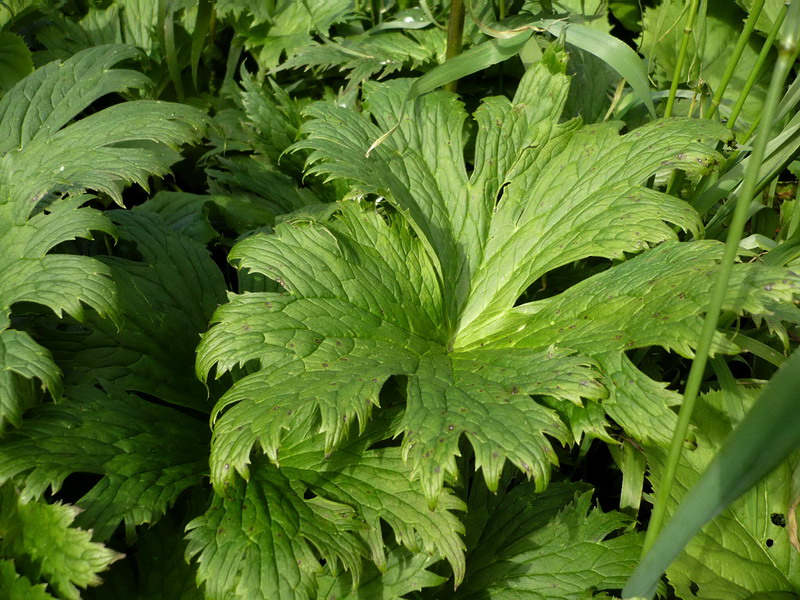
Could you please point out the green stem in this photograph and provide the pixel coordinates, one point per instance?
(786, 52)
(733, 61)
(455, 35)
(376, 7)
(688, 28)
(501, 10)
(756, 70)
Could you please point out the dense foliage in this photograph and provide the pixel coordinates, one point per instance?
(279, 318)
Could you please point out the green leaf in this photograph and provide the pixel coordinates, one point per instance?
(20, 356)
(614, 52)
(353, 491)
(46, 164)
(156, 568)
(368, 56)
(715, 28)
(657, 298)
(403, 574)
(15, 60)
(357, 314)
(422, 286)
(547, 546)
(746, 550)
(17, 587)
(280, 28)
(145, 454)
(768, 15)
(168, 288)
(763, 439)
(377, 484)
(41, 533)
(257, 538)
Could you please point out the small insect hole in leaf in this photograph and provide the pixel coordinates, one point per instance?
(778, 519)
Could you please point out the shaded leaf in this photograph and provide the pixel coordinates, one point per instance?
(145, 454)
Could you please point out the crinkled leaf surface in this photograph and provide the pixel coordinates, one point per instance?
(258, 538)
(404, 573)
(260, 534)
(430, 296)
(45, 164)
(62, 555)
(746, 551)
(370, 55)
(283, 26)
(145, 454)
(351, 326)
(367, 299)
(545, 546)
(656, 298)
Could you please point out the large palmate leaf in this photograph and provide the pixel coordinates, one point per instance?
(50, 548)
(145, 455)
(45, 165)
(349, 328)
(746, 551)
(428, 292)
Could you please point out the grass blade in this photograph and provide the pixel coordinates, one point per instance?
(615, 53)
(768, 422)
(199, 35)
(471, 61)
(767, 434)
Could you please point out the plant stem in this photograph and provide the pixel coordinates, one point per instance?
(455, 34)
(688, 29)
(376, 7)
(733, 61)
(756, 71)
(786, 52)
(501, 10)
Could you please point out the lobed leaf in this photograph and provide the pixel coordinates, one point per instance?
(41, 533)
(18, 587)
(145, 455)
(257, 538)
(47, 160)
(168, 289)
(547, 546)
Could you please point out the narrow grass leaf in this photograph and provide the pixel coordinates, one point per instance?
(199, 35)
(767, 435)
(609, 49)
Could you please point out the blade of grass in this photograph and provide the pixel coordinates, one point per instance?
(199, 35)
(644, 579)
(779, 152)
(171, 52)
(688, 29)
(769, 432)
(615, 53)
(733, 61)
(756, 70)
